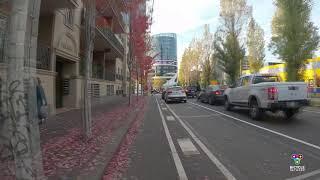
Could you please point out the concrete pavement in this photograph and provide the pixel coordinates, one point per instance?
(207, 142)
(315, 102)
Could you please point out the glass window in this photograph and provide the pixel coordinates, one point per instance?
(262, 79)
(238, 83)
(246, 81)
(175, 89)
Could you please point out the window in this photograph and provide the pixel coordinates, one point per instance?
(238, 83)
(246, 81)
(69, 17)
(262, 79)
(3, 27)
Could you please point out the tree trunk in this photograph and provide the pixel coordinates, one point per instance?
(89, 38)
(130, 84)
(19, 135)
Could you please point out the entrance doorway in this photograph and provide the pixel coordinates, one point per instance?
(59, 85)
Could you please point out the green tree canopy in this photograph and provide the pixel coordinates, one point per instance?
(294, 37)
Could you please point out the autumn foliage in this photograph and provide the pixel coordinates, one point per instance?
(140, 40)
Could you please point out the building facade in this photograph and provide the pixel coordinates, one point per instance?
(60, 52)
(165, 51)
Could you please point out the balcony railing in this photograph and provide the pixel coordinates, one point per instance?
(43, 57)
(110, 36)
(116, 6)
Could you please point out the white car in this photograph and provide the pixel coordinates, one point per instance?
(266, 93)
(176, 94)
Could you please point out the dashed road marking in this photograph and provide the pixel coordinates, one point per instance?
(213, 159)
(187, 147)
(164, 109)
(181, 172)
(201, 116)
(170, 118)
(311, 111)
(260, 127)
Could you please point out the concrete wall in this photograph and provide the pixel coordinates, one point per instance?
(66, 39)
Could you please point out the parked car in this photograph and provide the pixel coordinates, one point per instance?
(212, 95)
(191, 91)
(176, 94)
(266, 93)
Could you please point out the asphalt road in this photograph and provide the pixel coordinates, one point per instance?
(199, 141)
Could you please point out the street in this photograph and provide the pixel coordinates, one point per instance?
(194, 140)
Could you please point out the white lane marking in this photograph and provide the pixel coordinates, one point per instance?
(201, 116)
(164, 109)
(263, 128)
(307, 175)
(187, 147)
(170, 118)
(311, 111)
(181, 172)
(215, 160)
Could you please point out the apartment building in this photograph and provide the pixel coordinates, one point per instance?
(60, 51)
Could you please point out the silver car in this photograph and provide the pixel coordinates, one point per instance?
(175, 94)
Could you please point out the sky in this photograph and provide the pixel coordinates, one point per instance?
(187, 18)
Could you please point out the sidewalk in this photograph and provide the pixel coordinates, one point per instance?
(64, 152)
(315, 102)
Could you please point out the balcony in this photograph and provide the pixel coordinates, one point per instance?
(43, 57)
(113, 8)
(108, 36)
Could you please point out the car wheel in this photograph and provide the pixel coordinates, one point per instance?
(210, 101)
(290, 113)
(227, 105)
(254, 111)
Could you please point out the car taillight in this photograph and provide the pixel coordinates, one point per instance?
(169, 92)
(216, 92)
(272, 93)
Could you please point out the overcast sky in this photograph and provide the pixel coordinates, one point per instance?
(187, 17)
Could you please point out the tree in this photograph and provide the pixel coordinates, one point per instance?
(229, 51)
(294, 37)
(255, 44)
(206, 49)
(207, 72)
(158, 83)
(140, 44)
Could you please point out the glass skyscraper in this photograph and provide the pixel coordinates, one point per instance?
(165, 49)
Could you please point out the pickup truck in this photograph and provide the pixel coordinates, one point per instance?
(261, 92)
